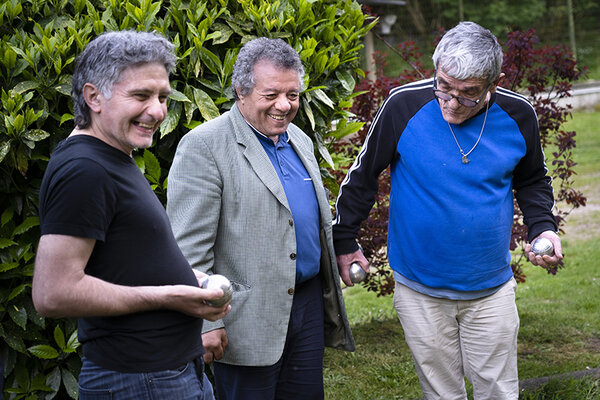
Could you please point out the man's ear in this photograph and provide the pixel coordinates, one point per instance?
(497, 82)
(91, 95)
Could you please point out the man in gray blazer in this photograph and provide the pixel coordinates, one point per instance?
(245, 199)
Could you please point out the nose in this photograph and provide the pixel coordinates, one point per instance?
(453, 102)
(283, 104)
(157, 109)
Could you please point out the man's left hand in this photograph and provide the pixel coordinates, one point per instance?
(546, 261)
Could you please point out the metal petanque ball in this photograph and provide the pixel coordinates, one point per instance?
(217, 281)
(542, 247)
(357, 274)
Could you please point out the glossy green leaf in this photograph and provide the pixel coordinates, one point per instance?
(320, 94)
(14, 293)
(346, 129)
(178, 96)
(205, 104)
(36, 135)
(8, 266)
(63, 89)
(70, 382)
(59, 337)
(66, 117)
(172, 119)
(4, 149)
(73, 342)
(324, 153)
(53, 379)
(225, 33)
(4, 243)
(7, 215)
(309, 113)
(152, 166)
(18, 314)
(38, 383)
(210, 59)
(346, 80)
(24, 86)
(43, 351)
(139, 161)
(26, 225)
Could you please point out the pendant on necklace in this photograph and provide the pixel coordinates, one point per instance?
(465, 160)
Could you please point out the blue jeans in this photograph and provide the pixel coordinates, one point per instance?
(185, 383)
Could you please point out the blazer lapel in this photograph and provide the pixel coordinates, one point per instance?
(256, 156)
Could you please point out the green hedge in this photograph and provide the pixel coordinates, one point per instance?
(40, 40)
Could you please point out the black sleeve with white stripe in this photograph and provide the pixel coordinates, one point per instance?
(533, 187)
(357, 192)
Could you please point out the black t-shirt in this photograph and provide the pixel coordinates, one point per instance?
(93, 190)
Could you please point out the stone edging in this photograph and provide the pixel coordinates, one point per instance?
(534, 383)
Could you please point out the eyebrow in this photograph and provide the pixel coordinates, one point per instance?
(271, 91)
(150, 91)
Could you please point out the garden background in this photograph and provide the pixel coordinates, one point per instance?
(39, 42)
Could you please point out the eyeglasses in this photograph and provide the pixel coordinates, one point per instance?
(440, 94)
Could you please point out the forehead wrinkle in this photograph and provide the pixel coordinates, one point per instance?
(465, 89)
(270, 89)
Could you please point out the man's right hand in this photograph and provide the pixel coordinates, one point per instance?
(191, 300)
(214, 343)
(345, 260)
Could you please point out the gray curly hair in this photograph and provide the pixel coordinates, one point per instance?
(276, 51)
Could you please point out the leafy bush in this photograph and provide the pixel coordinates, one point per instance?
(40, 40)
(544, 73)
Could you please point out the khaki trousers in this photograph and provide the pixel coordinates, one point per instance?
(451, 339)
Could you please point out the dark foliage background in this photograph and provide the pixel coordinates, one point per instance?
(39, 41)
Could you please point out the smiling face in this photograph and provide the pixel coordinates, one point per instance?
(472, 88)
(273, 102)
(138, 105)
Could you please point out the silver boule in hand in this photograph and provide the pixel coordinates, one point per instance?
(542, 247)
(357, 274)
(217, 281)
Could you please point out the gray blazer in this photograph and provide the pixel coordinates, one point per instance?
(230, 216)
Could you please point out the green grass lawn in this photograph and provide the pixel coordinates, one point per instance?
(560, 315)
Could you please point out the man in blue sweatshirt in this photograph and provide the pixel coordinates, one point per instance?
(458, 146)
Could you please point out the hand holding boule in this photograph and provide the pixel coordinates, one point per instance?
(357, 274)
(542, 247)
(217, 281)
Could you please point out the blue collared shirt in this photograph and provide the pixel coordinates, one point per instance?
(302, 199)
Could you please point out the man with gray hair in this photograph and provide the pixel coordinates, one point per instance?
(458, 145)
(246, 200)
(107, 253)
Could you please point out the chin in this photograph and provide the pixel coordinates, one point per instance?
(143, 144)
(454, 119)
(145, 141)
(276, 131)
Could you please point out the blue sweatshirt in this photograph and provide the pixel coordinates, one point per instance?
(449, 223)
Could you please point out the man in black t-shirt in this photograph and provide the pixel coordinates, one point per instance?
(107, 253)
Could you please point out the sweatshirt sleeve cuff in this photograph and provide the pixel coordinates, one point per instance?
(539, 228)
(345, 246)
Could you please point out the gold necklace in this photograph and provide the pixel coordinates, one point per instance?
(465, 160)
